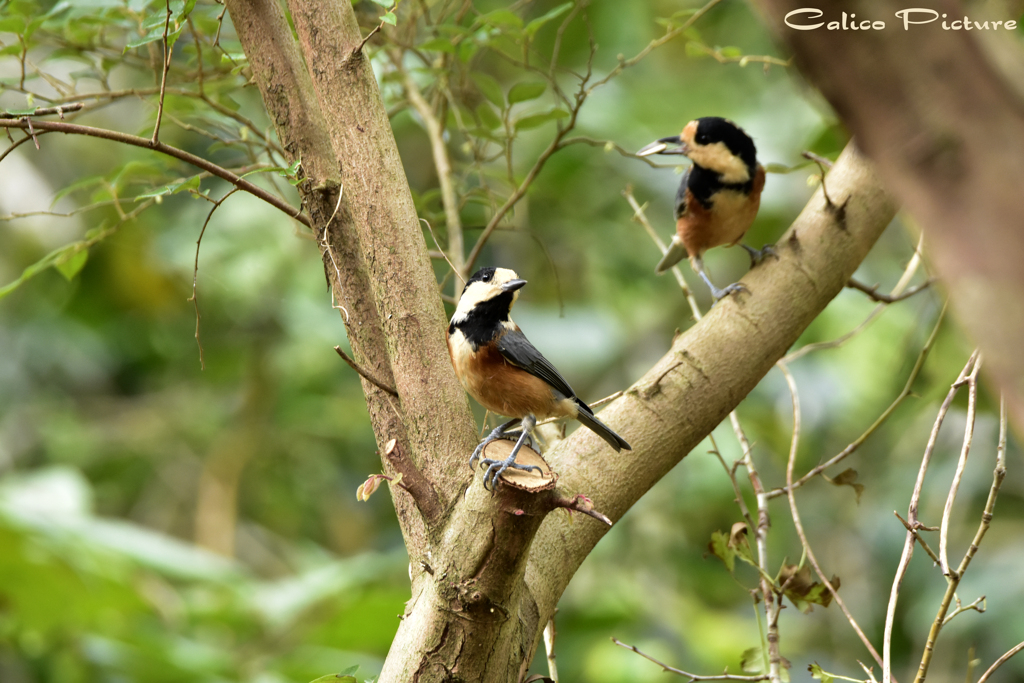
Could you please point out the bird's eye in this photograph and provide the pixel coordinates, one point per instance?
(702, 138)
(487, 278)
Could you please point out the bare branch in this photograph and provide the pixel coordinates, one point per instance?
(972, 400)
(872, 291)
(908, 273)
(658, 42)
(908, 546)
(693, 677)
(364, 374)
(195, 272)
(917, 537)
(163, 77)
(439, 150)
(549, 649)
(999, 662)
(979, 605)
(45, 111)
(182, 155)
(955, 577)
(790, 489)
(854, 445)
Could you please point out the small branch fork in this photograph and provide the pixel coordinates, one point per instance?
(954, 576)
(967, 377)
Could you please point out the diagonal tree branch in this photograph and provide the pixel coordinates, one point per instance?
(136, 141)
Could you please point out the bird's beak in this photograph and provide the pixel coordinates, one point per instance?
(513, 285)
(662, 147)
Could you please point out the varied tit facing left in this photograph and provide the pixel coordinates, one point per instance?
(718, 197)
(505, 373)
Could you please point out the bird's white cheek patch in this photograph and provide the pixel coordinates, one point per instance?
(718, 158)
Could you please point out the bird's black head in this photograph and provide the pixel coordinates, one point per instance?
(712, 129)
(488, 296)
(713, 143)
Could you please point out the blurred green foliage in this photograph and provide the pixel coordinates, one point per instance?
(163, 522)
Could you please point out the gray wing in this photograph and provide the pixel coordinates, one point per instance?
(518, 351)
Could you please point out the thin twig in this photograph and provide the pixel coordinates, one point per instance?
(45, 111)
(772, 602)
(872, 291)
(854, 445)
(195, 273)
(18, 143)
(908, 273)
(972, 399)
(136, 141)
(364, 374)
(917, 537)
(658, 42)
(955, 577)
(908, 545)
(693, 677)
(443, 166)
(163, 78)
(796, 514)
(549, 649)
(999, 662)
(979, 605)
(455, 269)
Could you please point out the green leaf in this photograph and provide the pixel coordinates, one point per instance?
(438, 45)
(802, 591)
(71, 266)
(847, 477)
(536, 24)
(490, 88)
(13, 24)
(467, 49)
(731, 52)
(336, 678)
(386, 4)
(535, 120)
(502, 17)
(154, 34)
(177, 186)
(752, 661)
(719, 547)
(487, 116)
(526, 91)
(819, 674)
(389, 18)
(695, 48)
(58, 257)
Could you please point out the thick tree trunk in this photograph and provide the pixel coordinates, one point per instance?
(941, 112)
(488, 571)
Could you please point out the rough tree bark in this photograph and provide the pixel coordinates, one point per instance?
(487, 571)
(941, 112)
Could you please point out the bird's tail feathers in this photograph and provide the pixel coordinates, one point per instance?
(675, 253)
(586, 416)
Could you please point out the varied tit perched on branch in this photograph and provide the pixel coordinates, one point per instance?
(502, 370)
(718, 197)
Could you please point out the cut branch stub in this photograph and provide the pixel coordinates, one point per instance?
(521, 479)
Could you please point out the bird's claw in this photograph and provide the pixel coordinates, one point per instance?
(496, 468)
(757, 256)
(719, 294)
